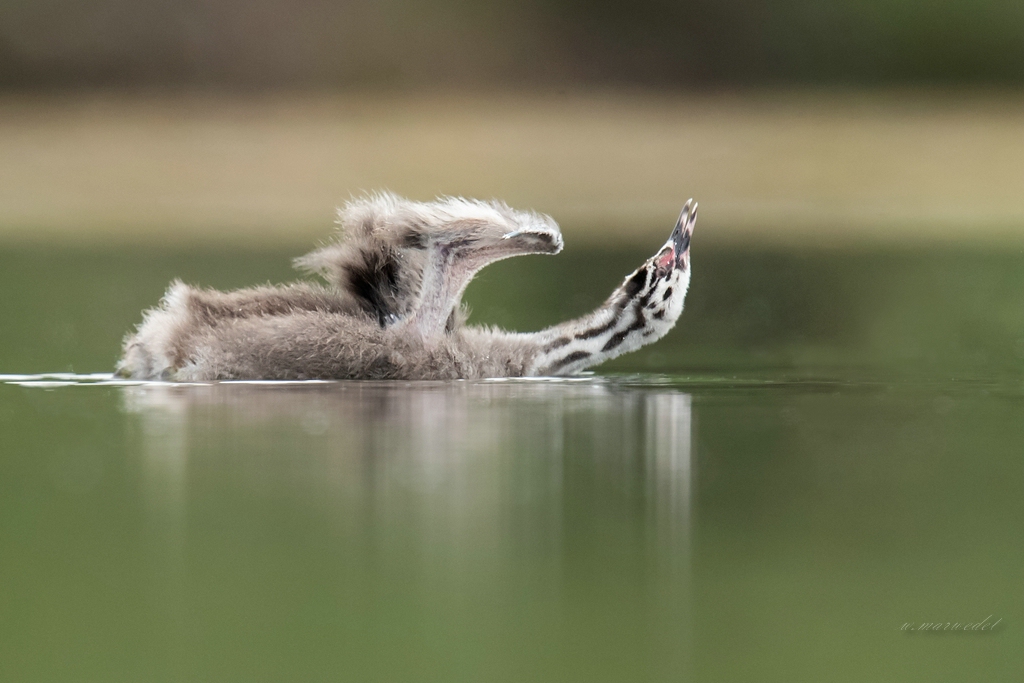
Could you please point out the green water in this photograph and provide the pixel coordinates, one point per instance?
(827, 448)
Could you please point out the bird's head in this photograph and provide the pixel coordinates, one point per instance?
(658, 288)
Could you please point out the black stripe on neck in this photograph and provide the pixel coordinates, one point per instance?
(598, 331)
(619, 337)
(571, 358)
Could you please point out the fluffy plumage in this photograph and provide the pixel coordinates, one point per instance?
(392, 305)
(382, 249)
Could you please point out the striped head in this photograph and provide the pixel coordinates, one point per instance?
(640, 311)
(655, 292)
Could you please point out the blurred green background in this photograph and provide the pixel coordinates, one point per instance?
(806, 121)
(425, 43)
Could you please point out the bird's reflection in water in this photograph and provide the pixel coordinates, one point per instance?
(508, 491)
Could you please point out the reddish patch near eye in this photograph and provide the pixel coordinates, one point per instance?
(666, 258)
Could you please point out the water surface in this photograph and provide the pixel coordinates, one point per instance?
(826, 449)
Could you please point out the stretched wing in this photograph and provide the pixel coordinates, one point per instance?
(373, 258)
(398, 259)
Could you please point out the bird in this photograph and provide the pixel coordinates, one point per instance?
(390, 308)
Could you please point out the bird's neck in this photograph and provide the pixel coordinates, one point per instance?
(628, 320)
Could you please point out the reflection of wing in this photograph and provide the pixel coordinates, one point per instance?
(386, 243)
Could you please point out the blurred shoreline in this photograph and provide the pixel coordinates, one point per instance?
(817, 167)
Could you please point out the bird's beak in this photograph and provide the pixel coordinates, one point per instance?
(680, 239)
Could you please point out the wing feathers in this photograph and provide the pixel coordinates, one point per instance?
(380, 251)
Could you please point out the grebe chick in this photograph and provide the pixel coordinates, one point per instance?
(391, 308)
